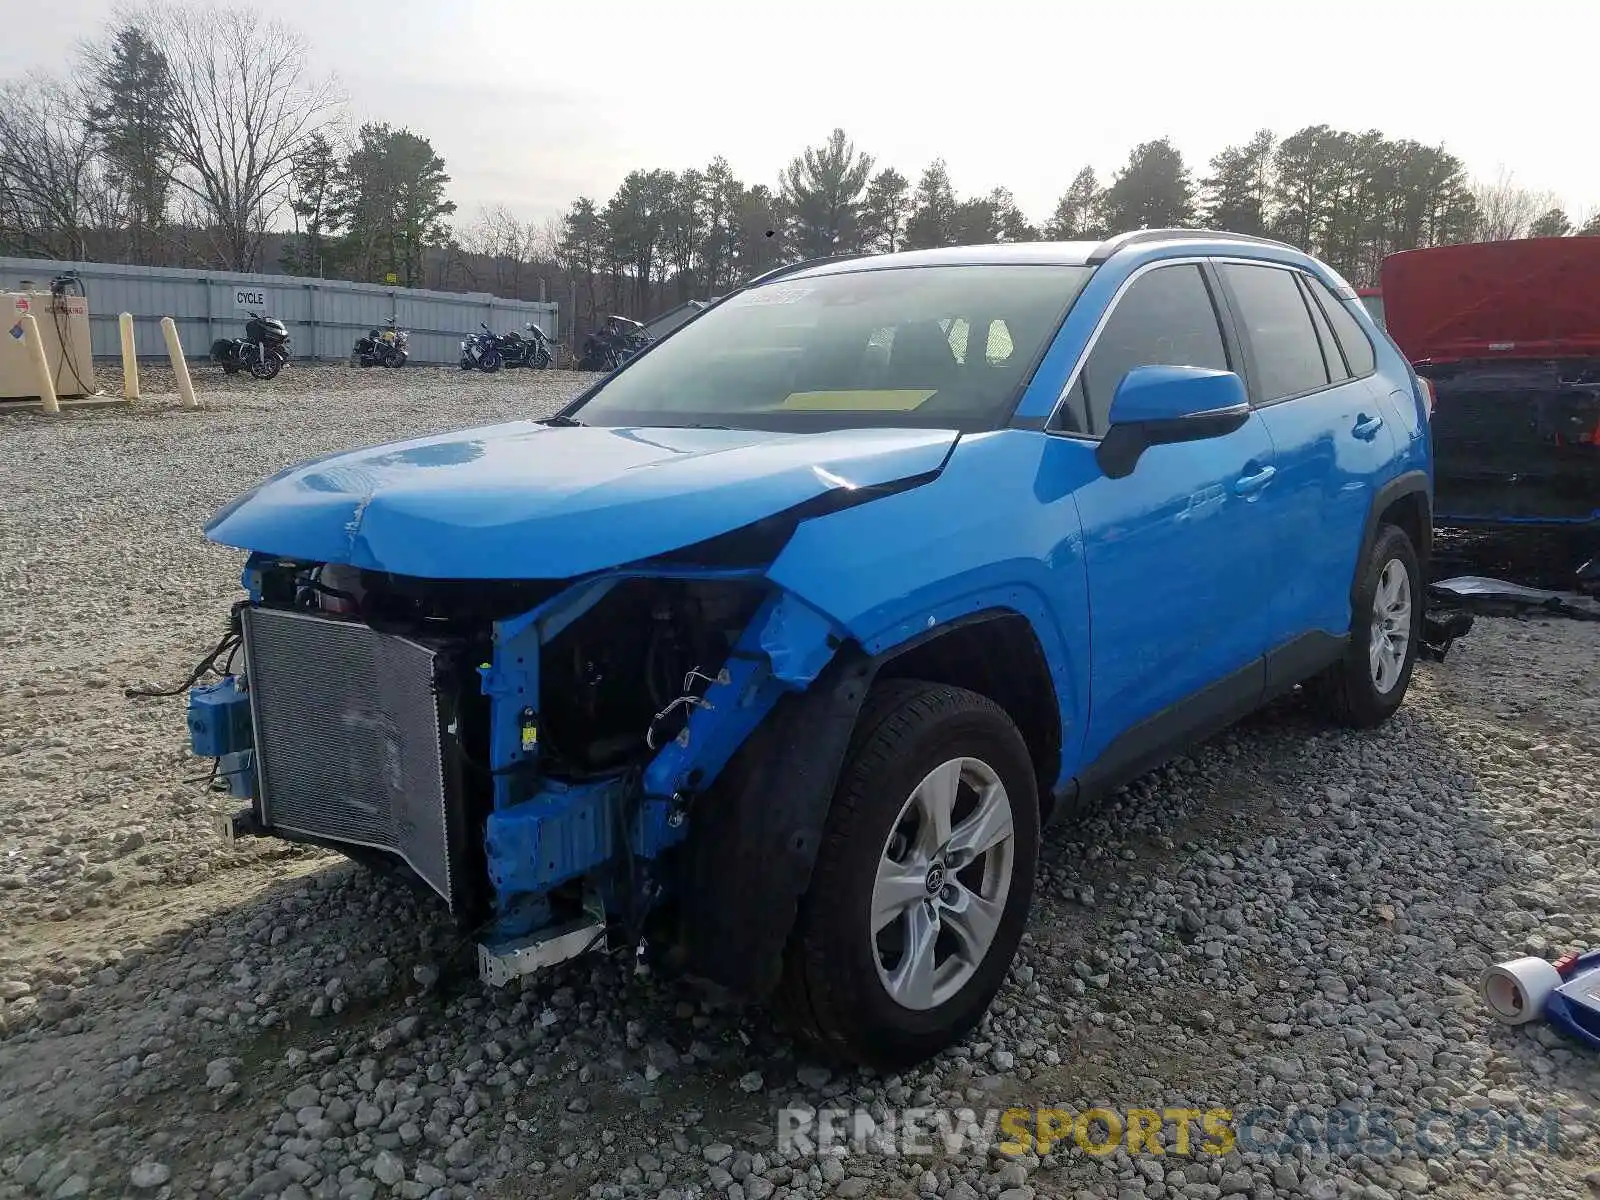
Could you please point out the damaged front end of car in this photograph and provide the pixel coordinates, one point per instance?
(544, 753)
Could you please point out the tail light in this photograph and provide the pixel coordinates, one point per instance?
(1427, 395)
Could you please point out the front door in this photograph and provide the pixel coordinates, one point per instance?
(1177, 554)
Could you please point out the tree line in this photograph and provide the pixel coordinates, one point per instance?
(191, 136)
(200, 137)
(1349, 198)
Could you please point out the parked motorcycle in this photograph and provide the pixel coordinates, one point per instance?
(481, 351)
(530, 351)
(616, 341)
(262, 351)
(386, 347)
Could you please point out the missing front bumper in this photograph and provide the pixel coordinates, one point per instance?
(501, 962)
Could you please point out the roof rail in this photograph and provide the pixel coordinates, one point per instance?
(791, 268)
(1112, 244)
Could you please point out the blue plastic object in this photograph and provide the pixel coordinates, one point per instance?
(567, 830)
(219, 719)
(1574, 1007)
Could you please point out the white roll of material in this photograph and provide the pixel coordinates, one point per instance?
(1516, 991)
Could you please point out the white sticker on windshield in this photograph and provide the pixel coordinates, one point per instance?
(778, 293)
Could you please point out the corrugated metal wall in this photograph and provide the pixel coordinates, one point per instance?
(324, 316)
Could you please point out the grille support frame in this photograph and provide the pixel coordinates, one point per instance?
(350, 726)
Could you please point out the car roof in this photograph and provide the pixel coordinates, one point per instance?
(1136, 246)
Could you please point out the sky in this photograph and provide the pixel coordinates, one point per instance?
(533, 103)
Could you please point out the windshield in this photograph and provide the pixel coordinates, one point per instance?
(946, 347)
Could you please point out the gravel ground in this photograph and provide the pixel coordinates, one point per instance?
(1291, 920)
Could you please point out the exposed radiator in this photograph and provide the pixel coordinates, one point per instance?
(348, 737)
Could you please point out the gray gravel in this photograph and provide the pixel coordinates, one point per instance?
(1289, 920)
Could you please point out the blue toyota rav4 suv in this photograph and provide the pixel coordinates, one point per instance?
(768, 655)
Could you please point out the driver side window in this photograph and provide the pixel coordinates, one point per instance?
(1165, 318)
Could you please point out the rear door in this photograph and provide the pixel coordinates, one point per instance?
(1327, 420)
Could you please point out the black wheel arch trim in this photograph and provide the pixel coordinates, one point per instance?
(765, 817)
(1408, 483)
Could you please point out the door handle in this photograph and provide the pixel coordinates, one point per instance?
(1249, 485)
(1366, 428)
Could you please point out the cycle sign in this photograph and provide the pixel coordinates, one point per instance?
(248, 298)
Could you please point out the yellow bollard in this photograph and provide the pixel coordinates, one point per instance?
(41, 365)
(130, 359)
(180, 367)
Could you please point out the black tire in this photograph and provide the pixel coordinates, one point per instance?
(490, 362)
(1347, 692)
(832, 996)
(267, 368)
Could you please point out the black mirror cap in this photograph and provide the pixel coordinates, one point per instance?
(1123, 445)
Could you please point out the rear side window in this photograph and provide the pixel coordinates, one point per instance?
(1332, 358)
(1287, 355)
(1357, 346)
(1165, 318)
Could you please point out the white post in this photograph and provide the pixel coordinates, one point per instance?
(180, 367)
(41, 365)
(130, 359)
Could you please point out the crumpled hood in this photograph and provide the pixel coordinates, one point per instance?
(531, 501)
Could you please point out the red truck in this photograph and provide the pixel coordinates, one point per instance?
(1507, 334)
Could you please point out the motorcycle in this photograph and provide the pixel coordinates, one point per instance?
(531, 351)
(481, 351)
(387, 347)
(616, 341)
(262, 351)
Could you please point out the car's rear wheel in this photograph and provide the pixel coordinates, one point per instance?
(923, 879)
(1367, 685)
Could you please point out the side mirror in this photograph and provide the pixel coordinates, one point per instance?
(1155, 406)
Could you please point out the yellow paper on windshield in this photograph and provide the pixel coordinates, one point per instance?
(886, 400)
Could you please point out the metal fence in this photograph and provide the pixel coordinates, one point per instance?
(324, 316)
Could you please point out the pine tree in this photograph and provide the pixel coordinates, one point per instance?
(1239, 187)
(823, 190)
(1152, 191)
(132, 122)
(313, 199)
(884, 212)
(1078, 212)
(933, 218)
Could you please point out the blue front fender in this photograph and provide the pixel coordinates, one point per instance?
(894, 569)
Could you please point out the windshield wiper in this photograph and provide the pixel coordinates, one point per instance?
(562, 421)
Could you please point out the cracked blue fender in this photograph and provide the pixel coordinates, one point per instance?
(532, 501)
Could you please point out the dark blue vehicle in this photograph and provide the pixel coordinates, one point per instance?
(770, 653)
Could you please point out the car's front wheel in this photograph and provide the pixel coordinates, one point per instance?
(923, 879)
(1368, 684)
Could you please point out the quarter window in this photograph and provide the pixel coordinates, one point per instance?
(1357, 345)
(1165, 318)
(1286, 354)
(1331, 357)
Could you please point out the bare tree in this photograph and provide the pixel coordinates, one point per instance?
(1506, 210)
(54, 190)
(243, 104)
(507, 249)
